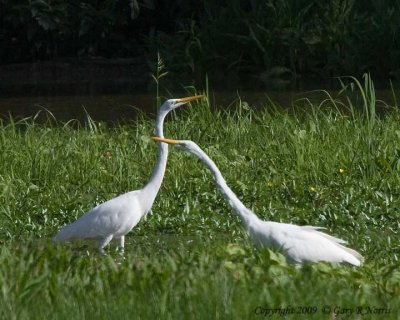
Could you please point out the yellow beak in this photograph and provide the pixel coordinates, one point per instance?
(169, 141)
(188, 99)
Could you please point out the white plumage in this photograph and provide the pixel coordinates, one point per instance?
(300, 244)
(114, 218)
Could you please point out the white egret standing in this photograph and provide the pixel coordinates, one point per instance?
(114, 218)
(299, 244)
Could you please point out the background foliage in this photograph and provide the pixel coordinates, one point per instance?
(274, 40)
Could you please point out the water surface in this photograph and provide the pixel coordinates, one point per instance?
(112, 107)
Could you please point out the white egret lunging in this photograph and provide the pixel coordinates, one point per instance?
(300, 244)
(114, 218)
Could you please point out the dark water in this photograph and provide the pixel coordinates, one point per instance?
(110, 107)
(116, 90)
(124, 107)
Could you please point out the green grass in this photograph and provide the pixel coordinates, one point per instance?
(327, 164)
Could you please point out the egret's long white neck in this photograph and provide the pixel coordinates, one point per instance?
(243, 212)
(150, 190)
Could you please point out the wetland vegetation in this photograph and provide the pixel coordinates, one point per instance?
(333, 164)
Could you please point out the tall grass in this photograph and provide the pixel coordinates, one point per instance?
(333, 164)
(202, 279)
(159, 73)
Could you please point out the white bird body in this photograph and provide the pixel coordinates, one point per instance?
(114, 218)
(300, 244)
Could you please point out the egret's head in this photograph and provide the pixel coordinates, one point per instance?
(172, 104)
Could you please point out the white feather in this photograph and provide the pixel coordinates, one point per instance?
(300, 244)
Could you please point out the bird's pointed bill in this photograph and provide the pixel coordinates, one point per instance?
(188, 99)
(169, 141)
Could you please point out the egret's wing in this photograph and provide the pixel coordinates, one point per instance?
(316, 229)
(307, 244)
(99, 221)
